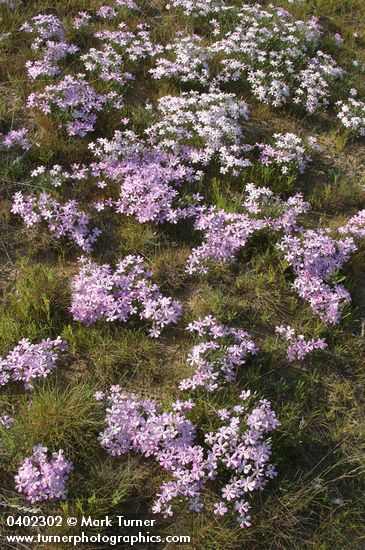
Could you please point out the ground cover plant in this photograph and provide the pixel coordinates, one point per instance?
(182, 328)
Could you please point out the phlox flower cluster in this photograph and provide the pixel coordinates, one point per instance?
(188, 63)
(132, 45)
(129, 4)
(107, 12)
(315, 258)
(99, 293)
(299, 348)
(110, 12)
(119, 47)
(74, 99)
(218, 356)
(355, 226)
(352, 115)
(6, 421)
(203, 127)
(225, 233)
(63, 220)
(149, 178)
(57, 174)
(17, 138)
(141, 425)
(43, 27)
(27, 361)
(316, 82)
(41, 478)
(268, 48)
(81, 20)
(108, 64)
(49, 42)
(238, 448)
(198, 8)
(289, 153)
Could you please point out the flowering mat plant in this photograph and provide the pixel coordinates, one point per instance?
(182, 268)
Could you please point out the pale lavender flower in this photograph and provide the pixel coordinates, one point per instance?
(108, 63)
(198, 8)
(316, 82)
(220, 508)
(133, 45)
(107, 12)
(267, 48)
